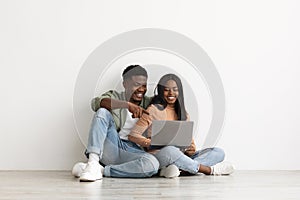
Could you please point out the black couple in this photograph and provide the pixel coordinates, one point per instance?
(117, 143)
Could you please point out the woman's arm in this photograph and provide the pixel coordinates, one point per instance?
(136, 134)
(142, 141)
(191, 150)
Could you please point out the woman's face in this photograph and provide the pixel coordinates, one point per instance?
(171, 92)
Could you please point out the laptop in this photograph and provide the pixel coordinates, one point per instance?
(171, 133)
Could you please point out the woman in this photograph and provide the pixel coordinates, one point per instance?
(168, 104)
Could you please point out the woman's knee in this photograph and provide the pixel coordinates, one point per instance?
(169, 150)
(168, 155)
(219, 154)
(150, 165)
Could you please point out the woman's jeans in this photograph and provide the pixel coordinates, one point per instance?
(121, 158)
(172, 155)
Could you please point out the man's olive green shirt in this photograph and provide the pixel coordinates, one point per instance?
(119, 115)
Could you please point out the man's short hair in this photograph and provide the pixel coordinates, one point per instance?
(134, 70)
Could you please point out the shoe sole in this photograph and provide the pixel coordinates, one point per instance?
(89, 180)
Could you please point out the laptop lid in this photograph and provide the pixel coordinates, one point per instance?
(174, 133)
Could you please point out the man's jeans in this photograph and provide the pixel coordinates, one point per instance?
(121, 158)
(172, 155)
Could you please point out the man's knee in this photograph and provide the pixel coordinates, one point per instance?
(103, 113)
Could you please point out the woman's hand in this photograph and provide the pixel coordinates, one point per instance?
(191, 150)
(146, 143)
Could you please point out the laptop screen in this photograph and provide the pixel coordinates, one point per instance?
(172, 133)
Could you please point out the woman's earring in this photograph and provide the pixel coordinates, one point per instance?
(155, 90)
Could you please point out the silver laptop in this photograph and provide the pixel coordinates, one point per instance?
(174, 133)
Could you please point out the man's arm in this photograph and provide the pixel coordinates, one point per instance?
(111, 101)
(111, 104)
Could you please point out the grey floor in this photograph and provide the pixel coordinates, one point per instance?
(240, 185)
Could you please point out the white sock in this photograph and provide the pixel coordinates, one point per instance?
(93, 157)
(211, 170)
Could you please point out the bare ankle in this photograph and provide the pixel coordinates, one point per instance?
(205, 169)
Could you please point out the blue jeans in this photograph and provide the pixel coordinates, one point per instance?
(172, 155)
(121, 158)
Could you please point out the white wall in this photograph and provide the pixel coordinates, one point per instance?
(255, 46)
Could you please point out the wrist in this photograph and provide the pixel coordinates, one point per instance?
(146, 143)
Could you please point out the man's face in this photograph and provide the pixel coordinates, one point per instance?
(135, 88)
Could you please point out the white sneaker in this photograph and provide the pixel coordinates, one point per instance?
(92, 172)
(78, 169)
(170, 172)
(223, 168)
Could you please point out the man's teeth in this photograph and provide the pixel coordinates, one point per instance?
(139, 95)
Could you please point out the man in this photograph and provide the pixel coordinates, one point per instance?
(116, 113)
